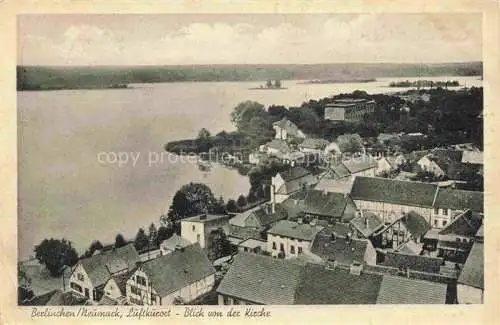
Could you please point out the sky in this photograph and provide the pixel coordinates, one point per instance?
(178, 39)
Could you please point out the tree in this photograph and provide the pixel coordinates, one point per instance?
(141, 240)
(153, 233)
(350, 143)
(55, 254)
(164, 233)
(120, 241)
(231, 206)
(94, 246)
(242, 201)
(218, 245)
(24, 289)
(190, 200)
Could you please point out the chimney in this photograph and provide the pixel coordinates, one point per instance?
(355, 268)
(299, 221)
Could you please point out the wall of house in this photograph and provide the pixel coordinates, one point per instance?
(84, 282)
(383, 166)
(194, 232)
(390, 212)
(350, 209)
(280, 133)
(287, 245)
(111, 289)
(276, 182)
(442, 217)
(244, 232)
(469, 295)
(146, 291)
(228, 300)
(192, 291)
(370, 254)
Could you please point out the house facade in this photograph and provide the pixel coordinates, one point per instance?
(183, 275)
(451, 203)
(90, 274)
(286, 130)
(470, 283)
(288, 239)
(390, 199)
(255, 222)
(197, 229)
(349, 109)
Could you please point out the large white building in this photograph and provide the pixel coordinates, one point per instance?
(198, 228)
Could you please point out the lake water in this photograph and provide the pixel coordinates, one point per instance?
(68, 184)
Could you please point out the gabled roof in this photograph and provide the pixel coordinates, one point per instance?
(340, 170)
(413, 262)
(415, 224)
(292, 229)
(206, 218)
(337, 287)
(367, 223)
(175, 241)
(262, 279)
(393, 191)
(121, 280)
(466, 224)
(322, 202)
(294, 173)
(262, 213)
(341, 250)
(296, 184)
(473, 157)
(172, 272)
(356, 165)
(99, 267)
(473, 270)
(343, 185)
(279, 145)
(314, 143)
(289, 126)
(460, 200)
(400, 290)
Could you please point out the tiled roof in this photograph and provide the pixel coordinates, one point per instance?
(340, 170)
(175, 241)
(205, 218)
(343, 185)
(56, 298)
(367, 223)
(356, 165)
(413, 262)
(179, 269)
(252, 243)
(322, 203)
(400, 290)
(297, 184)
(295, 230)
(460, 200)
(107, 301)
(314, 143)
(294, 173)
(97, 265)
(466, 224)
(473, 270)
(121, 280)
(415, 224)
(472, 157)
(340, 250)
(337, 287)
(393, 191)
(262, 279)
(279, 145)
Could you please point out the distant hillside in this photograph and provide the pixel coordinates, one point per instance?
(48, 78)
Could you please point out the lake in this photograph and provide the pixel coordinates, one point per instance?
(69, 183)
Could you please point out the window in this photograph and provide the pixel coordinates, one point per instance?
(436, 210)
(198, 238)
(464, 241)
(292, 249)
(76, 287)
(194, 228)
(282, 247)
(135, 290)
(80, 277)
(445, 212)
(300, 250)
(444, 222)
(435, 223)
(140, 280)
(274, 245)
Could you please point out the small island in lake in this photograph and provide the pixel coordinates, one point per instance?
(270, 85)
(338, 81)
(424, 83)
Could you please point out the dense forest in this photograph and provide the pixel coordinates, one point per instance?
(51, 78)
